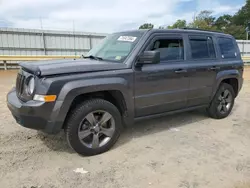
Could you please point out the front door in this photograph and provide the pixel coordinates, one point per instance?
(162, 87)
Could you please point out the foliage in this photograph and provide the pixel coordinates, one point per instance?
(223, 22)
(237, 31)
(242, 17)
(178, 24)
(147, 26)
(204, 20)
(230, 24)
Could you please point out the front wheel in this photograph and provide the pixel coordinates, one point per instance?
(222, 103)
(93, 127)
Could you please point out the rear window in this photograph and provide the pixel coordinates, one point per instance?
(227, 47)
(201, 47)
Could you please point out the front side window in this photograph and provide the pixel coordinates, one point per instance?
(227, 48)
(116, 47)
(202, 47)
(170, 49)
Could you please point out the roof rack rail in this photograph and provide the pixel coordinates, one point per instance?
(190, 28)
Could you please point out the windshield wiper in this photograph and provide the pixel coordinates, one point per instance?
(93, 57)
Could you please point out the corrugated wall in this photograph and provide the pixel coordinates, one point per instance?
(244, 46)
(46, 42)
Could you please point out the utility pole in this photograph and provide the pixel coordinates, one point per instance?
(194, 17)
(43, 38)
(247, 30)
(74, 37)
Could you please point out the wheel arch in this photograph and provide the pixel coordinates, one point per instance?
(230, 77)
(115, 90)
(233, 82)
(113, 96)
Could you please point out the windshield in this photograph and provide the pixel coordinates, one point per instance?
(116, 47)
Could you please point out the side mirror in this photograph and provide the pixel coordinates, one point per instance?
(149, 57)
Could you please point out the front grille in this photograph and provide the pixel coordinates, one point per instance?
(20, 84)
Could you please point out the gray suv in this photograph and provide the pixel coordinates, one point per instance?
(130, 76)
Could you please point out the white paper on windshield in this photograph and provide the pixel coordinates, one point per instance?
(127, 38)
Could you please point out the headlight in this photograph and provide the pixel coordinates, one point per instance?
(31, 86)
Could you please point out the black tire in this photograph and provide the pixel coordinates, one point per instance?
(76, 117)
(216, 103)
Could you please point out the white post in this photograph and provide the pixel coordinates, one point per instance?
(5, 64)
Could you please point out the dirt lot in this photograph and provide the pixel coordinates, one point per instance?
(187, 150)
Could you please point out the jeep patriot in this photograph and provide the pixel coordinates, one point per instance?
(129, 76)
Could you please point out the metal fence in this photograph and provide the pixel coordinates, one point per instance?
(244, 46)
(15, 41)
(46, 42)
(29, 44)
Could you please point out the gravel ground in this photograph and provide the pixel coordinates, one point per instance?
(187, 150)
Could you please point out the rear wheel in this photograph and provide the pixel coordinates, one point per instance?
(93, 127)
(223, 102)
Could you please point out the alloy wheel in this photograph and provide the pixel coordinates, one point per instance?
(96, 129)
(225, 101)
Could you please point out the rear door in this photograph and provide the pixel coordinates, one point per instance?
(202, 69)
(162, 87)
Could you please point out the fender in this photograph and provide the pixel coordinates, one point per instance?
(75, 88)
(225, 74)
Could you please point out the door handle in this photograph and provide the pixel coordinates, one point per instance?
(179, 71)
(214, 68)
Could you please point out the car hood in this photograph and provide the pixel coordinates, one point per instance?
(62, 66)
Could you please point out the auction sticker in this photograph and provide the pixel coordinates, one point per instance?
(118, 57)
(127, 38)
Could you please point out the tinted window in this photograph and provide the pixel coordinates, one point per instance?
(170, 49)
(227, 48)
(202, 47)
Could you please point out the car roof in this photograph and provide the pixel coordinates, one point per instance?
(189, 30)
(185, 30)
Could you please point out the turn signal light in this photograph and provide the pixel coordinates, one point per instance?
(45, 98)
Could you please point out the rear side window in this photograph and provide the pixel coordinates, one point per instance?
(227, 48)
(202, 47)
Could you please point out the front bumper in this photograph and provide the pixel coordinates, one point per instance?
(32, 114)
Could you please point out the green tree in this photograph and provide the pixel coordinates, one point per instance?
(230, 24)
(204, 20)
(226, 24)
(147, 26)
(237, 31)
(223, 22)
(242, 17)
(178, 24)
(239, 22)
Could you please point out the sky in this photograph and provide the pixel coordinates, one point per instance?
(105, 16)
